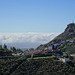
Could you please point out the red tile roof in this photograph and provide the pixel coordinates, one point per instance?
(35, 51)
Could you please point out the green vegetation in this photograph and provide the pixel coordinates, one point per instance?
(67, 35)
(40, 64)
(13, 49)
(49, 65)
(4, 51)
(32, 56)
(69, 47)
(9, 64)
(43, 57)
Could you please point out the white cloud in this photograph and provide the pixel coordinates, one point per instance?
(26, 40)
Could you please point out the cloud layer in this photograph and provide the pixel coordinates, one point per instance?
(26, 40)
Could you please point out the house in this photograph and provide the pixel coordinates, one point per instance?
(56, 45)
(45, 48)
(50, 47)
(16, 54)
(63, 42)
(71, 41)
(33, 52)
(73, 55)
(64, 60)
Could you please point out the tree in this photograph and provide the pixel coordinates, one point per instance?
(0, 46)
(53, 47)
(5, 46)
(31, 49)
(19, 50)
(13, 49)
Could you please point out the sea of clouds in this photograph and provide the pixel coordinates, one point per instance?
(26, 40)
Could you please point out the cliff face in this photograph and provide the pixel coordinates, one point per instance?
(68, 34)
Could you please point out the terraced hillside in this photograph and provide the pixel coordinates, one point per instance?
(44, 66)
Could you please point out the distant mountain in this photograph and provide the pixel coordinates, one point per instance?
(68, 34)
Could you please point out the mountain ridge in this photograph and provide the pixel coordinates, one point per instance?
(68, 34)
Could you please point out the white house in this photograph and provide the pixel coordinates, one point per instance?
(45, 48)
(64, 59)
(71, 41)
(16, 54)
(73, 55)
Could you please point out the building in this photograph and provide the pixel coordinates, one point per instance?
(64, 60)
(50, 47)
(73, 55)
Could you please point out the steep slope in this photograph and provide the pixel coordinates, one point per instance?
(44, 67)
(20, 65)
(68, 34)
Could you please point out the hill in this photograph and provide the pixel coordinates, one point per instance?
(67, 35)
(20, 65)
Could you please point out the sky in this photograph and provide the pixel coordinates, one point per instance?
(33, 17)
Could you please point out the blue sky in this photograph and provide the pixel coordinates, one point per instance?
(36, 15)
(29, 23)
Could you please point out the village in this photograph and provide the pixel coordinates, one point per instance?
(52, 50)
(49, 51)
